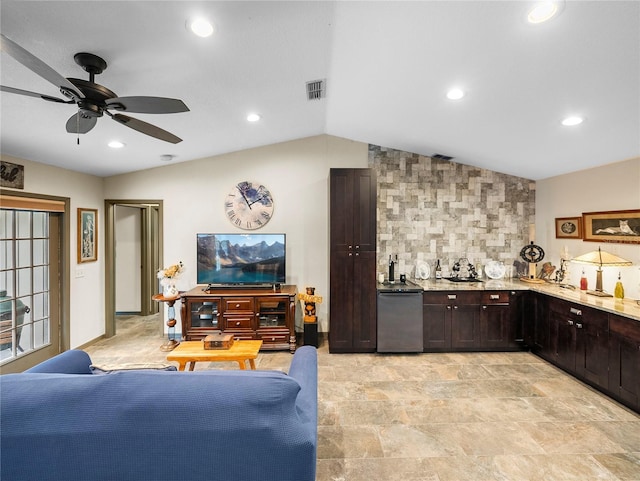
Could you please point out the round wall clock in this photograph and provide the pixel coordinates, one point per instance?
(249, 205)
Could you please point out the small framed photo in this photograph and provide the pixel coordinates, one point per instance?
(620, 226)
(87, 235)
(569, 228)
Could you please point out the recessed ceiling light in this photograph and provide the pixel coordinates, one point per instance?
(543, 11)
(115, 144)
(200, 26)
(167, 157)
(253, 117)
(455, 94)
(571, 121)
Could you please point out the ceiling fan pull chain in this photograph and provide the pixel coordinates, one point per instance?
(78, 128)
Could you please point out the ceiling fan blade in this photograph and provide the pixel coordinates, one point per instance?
(147, 105)
(38, 66)
(34, 94)
(79, 124)
(145, 128)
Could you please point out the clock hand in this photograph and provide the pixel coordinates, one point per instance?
(257, 200)
(244, 197)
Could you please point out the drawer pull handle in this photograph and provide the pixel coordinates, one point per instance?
(451, 296)
(449, 307)
(237, 305)
(575, 311)
(578, 325)
(455, 307)
(495, 296)
(484, 307)
(237, 323)
(570, 322)
(273, 338)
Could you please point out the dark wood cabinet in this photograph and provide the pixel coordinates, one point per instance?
(624, 360)
(262, 314)
(473, 321)
(496, 320)
(580, 336)
(352, 306)
(451, 321)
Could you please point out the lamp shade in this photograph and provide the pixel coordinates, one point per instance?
(601, 258)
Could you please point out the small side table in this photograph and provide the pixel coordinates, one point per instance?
(171, 343)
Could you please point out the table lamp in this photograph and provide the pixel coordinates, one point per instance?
(600, 258)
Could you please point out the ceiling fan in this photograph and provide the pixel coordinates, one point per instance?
(93, 100)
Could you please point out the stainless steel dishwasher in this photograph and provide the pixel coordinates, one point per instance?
(399, 317)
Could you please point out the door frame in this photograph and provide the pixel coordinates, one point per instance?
(63, 301)
(151, 256)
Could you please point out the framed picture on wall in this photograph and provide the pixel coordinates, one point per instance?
(569, 227)
(621, 226)
(87, 235)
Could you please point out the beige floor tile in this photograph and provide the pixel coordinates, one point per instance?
(441, 416)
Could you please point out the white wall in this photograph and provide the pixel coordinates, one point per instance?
(295, 172)
(128, 258)
(610, 187)
(87, 292)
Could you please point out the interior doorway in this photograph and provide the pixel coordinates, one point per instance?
(144, 247)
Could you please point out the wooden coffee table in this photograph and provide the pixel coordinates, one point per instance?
(194, 351)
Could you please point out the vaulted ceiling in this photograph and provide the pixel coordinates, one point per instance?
(387, 67)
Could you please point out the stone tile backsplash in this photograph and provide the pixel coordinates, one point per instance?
(431, 209)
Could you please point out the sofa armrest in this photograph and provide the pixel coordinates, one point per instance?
(74, 361)
(304, 369)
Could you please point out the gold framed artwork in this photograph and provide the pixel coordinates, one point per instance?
(621, 226)
(87, 235)
(569, 227)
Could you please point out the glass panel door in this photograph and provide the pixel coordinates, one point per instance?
(27, 324)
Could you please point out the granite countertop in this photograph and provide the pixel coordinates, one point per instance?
(625, 307)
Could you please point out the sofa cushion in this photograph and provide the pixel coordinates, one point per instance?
(74, 361)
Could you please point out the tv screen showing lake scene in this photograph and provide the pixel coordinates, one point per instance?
(241, 258)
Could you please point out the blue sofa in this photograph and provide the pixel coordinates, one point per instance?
(61, 422)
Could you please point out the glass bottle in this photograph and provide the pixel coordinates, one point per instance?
(618, 292)
(583, 282)
(438, 270)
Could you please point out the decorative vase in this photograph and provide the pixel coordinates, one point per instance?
(170, 289)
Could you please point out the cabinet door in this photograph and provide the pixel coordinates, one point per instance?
(364, 302)
(353, 302)
(465, 326)
(341, 302)
(436, 327)
(518, 303)
(541, 328)
(364, 214)
(495, 320)
(565, 340)
(272, 312)
(624, 360)
(353, 209)
(592, 348)
(200, 318)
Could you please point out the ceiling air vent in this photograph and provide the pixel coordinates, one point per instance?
(441, 157)
(316, 89)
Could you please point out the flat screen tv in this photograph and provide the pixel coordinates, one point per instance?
(241, 259)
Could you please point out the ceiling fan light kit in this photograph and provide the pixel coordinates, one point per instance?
(93, 100)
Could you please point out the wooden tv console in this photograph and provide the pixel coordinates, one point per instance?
(248, 313)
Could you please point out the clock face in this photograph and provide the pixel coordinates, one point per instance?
(249, 205)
